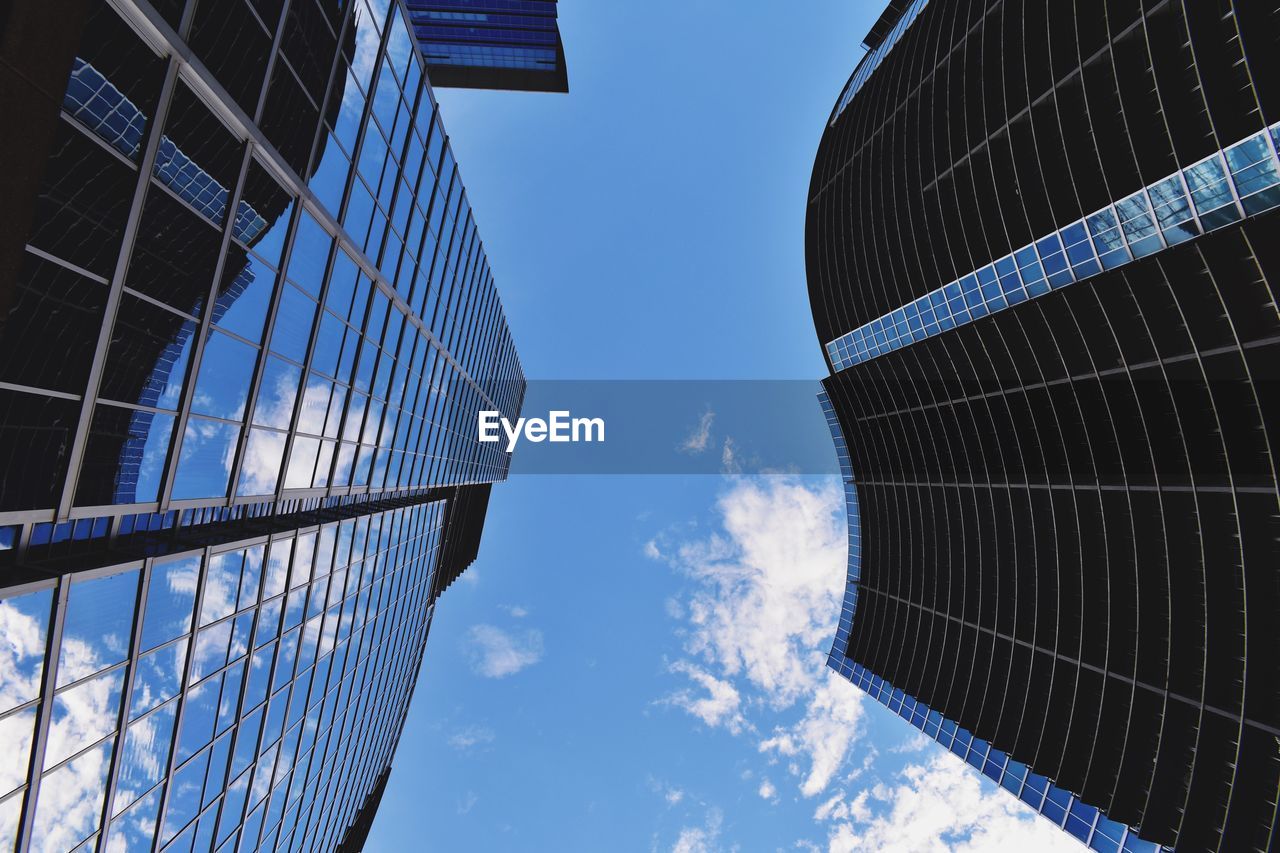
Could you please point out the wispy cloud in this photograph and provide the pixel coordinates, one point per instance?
(767, 598)
(515, 611)
(717, 703)
(755, 630)
(729, 460)
(669, 793)
(697, 441)
(471, 736)
(700, 839)
(496, 653)
(937, 805)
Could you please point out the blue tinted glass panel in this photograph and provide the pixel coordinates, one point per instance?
(208, 449)
(225, 372)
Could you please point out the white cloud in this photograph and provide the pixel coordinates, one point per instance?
(700, 839)
(825, 734)
(938, 806)
(729, 463)
(516, 611)
(470, 736)
(651, 550)
(697, 441)
(755, 630)
(720, 705)
(468, 802)
(497, 654)
(768, 595)
(669, 793)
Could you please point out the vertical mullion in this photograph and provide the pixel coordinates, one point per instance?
(201, 336)
(126, 700)
(1231, 183)
(48, 682)
(277, 37)
(145, 166)
(366, 113)
(1191, 200)
(185, 683)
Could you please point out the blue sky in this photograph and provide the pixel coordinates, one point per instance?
(635, 662)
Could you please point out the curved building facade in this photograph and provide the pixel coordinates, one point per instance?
(1043, 254)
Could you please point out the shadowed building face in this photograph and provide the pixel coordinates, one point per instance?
(1042, 260)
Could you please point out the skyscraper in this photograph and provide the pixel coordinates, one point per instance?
(491, 44)
(1042, 260)
(246, 324)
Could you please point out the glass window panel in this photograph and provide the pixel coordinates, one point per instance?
(244, 297)
(23, 622)
(302, 462)
(125, 457)
(158, 677)
(175, 254)
(99, 624)
(208, 450)
(222, 586)
(70, 802)
(232, 806)
(328, 344)
(1208, 184)
(309, 255)
(136, 829)
(347, 125)
(198, 717)
(355, 416)
(83, 714)
(277, 395)
(346, 458)
(342, 284)
(315, 405)
(144, 757)
(330, 177)
(303, 557)
(16, 731)
(171, 594)
(324, 462)
(226, 368)
(264, 212)
(211, 649)
(246, 748)
(268, 626)
(359, 212)
(277, 567)
(198, 158)
(148, 355)
(260, 671)
(293, 325)
(184, 796)
(264, 452)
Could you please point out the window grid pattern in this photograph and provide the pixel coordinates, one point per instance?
(1241, 181)
(1063, 506)
(491, 44)
(325, 361)
(871, 61)
(243, 677)
(1087, 823)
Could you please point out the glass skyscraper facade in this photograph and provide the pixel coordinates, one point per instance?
(246, 325)
(1041, 250)
(491, 44)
